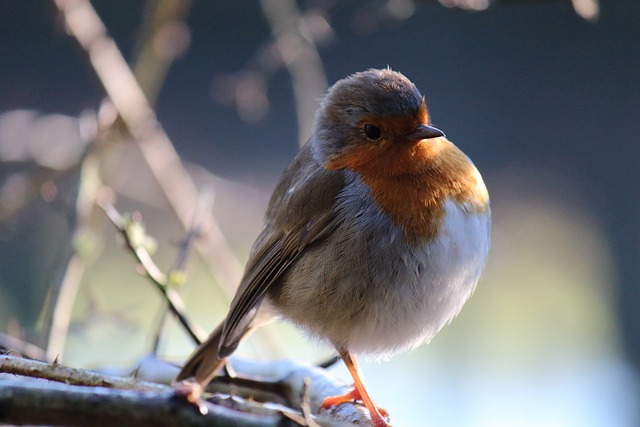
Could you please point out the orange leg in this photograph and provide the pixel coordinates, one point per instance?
(378, 415)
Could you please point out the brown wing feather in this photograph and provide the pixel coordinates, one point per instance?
(278, 254)
(300, 212)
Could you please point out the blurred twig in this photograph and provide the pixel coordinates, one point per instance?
(305, 405)
(63, 177)
(63, 294)
(163, 36)
(587, 9)
(293, 45)
(176, 273)
(129, 100)
(24, 348)
(38, 165)
(297, 48)
(299, 27)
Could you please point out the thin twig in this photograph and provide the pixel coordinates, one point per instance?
(63, 295)
(24, 348)
(85, 25)
(176, 272)
(305, 406)
(299, 53)
(157, 277)
(59, 373)
(198, 223)
(162, 37)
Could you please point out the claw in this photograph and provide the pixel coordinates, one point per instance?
(352, 396)
(191, 392)
(379, 416)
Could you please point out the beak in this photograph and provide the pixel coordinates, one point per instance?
(425, 132)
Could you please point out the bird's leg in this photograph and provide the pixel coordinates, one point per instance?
(378, 415)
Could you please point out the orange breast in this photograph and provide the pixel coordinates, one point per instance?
(411, 181)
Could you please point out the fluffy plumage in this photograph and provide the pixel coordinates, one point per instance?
(374, 238)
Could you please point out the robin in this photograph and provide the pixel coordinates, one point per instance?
(374, 238)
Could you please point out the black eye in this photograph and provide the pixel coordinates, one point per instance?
(372, 132)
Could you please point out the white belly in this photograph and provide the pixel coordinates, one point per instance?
(439, 278)
(371, 292)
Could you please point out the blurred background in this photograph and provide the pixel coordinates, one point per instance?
(544, 96)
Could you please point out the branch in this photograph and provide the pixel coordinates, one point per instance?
(159, 280)
(63, 294)
(24, 348)
(34, 403)
(163, 37)
(62, 374)
(80, 395)
(85, 25)
(297, 48)
(176, 275)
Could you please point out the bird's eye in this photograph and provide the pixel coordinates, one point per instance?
(372, 132)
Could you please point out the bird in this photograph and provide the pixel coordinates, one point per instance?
(375, 236)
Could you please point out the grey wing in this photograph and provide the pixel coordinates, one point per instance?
(299, 213)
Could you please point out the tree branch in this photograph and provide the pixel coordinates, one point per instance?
(80, 397)
(62, 374)
(34, 403)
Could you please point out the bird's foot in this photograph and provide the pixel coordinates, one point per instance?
(379, 415)
(191, 392)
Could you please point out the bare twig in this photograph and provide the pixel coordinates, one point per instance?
(305, 406)
(291, 375)
(157, 277)
(176, 274)
(298, 51)
(63, 294)
(24, 348)
(162, 37)
(56, 372)
(198, 223)
(129, 100)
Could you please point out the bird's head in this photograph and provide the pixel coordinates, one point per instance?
(374, 111)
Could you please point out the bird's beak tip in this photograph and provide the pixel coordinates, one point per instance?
(424, 131)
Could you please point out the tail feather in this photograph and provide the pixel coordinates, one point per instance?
(207, 360)
(204, 363)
